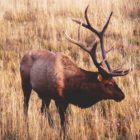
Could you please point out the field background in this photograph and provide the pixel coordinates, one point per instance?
(36, 24)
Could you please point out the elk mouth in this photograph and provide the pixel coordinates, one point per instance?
(119, 98)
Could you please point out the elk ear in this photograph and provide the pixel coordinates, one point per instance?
(99, 77)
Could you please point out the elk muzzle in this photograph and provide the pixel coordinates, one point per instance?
(119, 97)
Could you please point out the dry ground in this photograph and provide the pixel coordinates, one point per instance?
(34, 24)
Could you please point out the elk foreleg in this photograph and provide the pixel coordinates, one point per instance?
(45, 108)
(62, 106)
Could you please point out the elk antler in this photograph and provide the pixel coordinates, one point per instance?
(92, 48)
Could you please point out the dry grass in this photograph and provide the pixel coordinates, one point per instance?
(40, 24)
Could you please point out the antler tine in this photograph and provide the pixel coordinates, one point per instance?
(79, 33)
(89, 24)
(119, 73)
(78, 43)
(110, 49)
(106, 25)
(119, 67)
(79, 22)
(83, 45)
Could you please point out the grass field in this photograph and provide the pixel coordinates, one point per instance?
(26, 25)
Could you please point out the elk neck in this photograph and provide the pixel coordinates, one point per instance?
(83, 89)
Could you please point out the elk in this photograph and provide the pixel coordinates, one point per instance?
(54, 76)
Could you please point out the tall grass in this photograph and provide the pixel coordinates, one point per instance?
(34, 24)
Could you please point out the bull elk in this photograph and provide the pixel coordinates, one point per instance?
(55, 76)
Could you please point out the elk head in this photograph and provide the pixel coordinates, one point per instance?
(105, 76)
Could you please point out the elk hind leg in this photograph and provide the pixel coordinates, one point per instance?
(27, 92)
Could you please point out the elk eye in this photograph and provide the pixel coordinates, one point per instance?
(110, 84)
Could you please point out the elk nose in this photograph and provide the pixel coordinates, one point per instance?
(120, 97)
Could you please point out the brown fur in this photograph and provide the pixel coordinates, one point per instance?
(55, 76)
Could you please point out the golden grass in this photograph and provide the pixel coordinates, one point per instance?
(40, 24)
